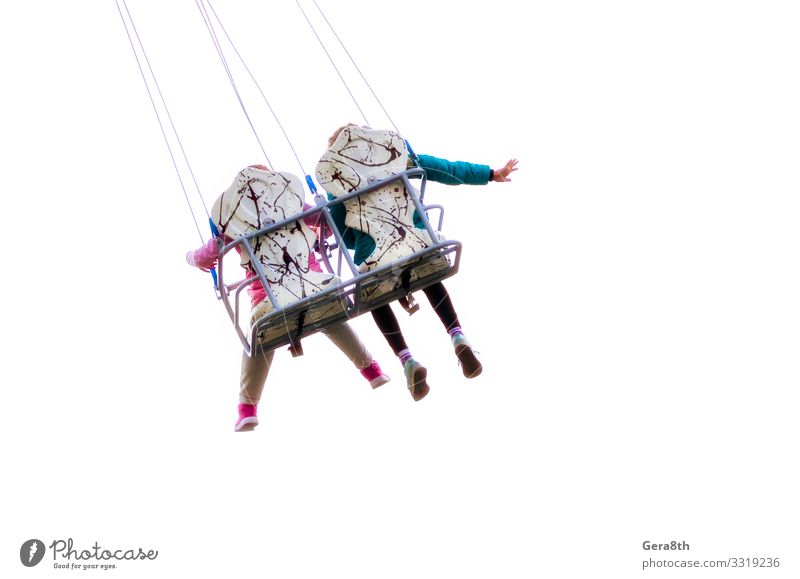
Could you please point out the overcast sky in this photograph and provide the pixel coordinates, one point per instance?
(633, 293)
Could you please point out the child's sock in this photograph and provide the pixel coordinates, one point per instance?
(454, 332)
(404, 355)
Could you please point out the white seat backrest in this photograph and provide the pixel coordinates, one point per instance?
(357, 158)
(256, 199)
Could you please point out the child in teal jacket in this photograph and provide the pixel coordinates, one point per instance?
(449, 173)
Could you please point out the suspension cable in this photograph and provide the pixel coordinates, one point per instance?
(258, 86)
(330, 58)
(347, 52)
(221, 54)
(158, 116)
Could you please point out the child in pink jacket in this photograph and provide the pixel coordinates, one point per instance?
(255, 368)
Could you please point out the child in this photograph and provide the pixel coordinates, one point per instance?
(239, 204)
(442, 171)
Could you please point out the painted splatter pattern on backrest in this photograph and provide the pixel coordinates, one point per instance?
(256, 199)
(357, 158)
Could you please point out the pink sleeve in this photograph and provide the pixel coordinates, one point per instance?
(205, 257)
(313, 264)
(311, 220)
(317, 222)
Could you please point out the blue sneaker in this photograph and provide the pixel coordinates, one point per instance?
(469, 363)
(416, 374)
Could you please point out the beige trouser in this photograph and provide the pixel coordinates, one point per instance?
(255, 368)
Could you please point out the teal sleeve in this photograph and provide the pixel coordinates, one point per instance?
(354, 239)
(454, 172)
(338, 213)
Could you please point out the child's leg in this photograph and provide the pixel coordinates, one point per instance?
(415, 372)
(443, 306)
(343, 336)
(253, 378)
(255, 369)
(387, 323)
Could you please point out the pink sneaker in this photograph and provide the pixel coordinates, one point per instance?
(247, 418)
(374, 374)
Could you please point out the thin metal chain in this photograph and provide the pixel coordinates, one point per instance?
(158, 116)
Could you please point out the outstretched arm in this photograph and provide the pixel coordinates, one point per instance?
(454, 172)
(462, 173)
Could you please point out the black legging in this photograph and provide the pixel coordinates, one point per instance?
(387, 322)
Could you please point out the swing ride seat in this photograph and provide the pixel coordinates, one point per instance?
(262, 212)
(365, 170)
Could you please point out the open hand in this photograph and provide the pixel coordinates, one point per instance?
(501, 175)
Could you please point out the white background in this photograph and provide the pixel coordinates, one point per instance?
(633, 293)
